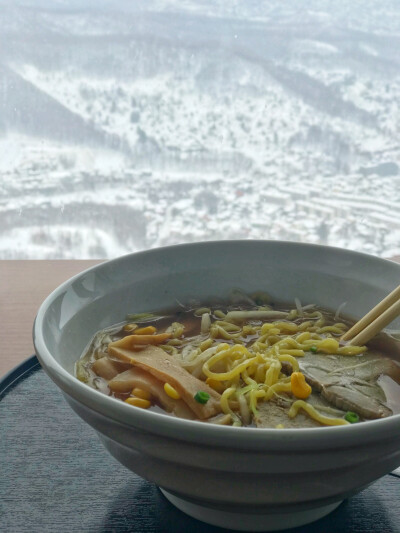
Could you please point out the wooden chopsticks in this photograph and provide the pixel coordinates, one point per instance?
(374, 321)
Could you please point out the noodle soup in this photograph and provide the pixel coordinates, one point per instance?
(244, 364)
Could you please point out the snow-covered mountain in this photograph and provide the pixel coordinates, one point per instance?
(134, 125)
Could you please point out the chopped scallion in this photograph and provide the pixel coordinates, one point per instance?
(313, 349)
(351, 417)
(201, 397)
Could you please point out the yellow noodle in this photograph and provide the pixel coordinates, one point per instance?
(245, 390)
(274, 331)
(286, 326)
(259, 346)
(315, 314)
(247, 379)
(249, 330)
(223, 346)
(272, 373)
(221, 333)
(311, 342)
(176, 329)
(330, 329)
(313, 413)
(253, 402)
(273, 339)
(175, 342)
(290, 359)
(244, 410)
(227, 326)
(289, 342)
(238, 350)
(254, 372)
(220, 376)
(193, 355)
(297, 353)
(206, 344)
(351, 350)
(263, 338)
(305, 325)
(254, 394)
(303, 337)
(235, 381)
(226, 408)
(328, 345)
(169, 349)
(259, 375)
(266, 328)
(275, 349)
(281, 386)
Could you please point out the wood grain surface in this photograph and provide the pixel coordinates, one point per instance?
(23, 287)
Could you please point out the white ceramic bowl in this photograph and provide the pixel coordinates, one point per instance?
(240, 478)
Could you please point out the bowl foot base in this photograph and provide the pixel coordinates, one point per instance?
(249, 522)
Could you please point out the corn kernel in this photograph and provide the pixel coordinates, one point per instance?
(172, 393)
(140, 393)
(138, 402)
(148, 330)
(300, 388)
(328, 345)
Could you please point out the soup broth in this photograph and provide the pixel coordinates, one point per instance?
(244, 364)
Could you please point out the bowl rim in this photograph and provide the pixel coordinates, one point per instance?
(193, 431)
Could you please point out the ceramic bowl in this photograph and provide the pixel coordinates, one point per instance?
(239, 478)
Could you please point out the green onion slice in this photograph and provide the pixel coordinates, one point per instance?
(351, 417)
(201, 397)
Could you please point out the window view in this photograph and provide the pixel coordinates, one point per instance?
(131, 125)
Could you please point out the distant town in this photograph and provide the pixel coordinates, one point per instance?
(167, 124)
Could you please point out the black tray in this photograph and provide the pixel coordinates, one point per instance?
(55, 476)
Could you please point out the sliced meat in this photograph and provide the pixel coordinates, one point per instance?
(275, 412)
(350, 382)
(107, 369)
(167, 369)
(135, 377)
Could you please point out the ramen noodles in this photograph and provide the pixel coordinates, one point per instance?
(244, 364)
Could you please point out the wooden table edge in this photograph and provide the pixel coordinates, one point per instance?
(24, 284)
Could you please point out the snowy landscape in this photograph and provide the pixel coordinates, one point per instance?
(132, 125)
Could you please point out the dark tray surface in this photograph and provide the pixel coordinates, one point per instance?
(55, 476)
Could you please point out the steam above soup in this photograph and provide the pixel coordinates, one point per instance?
(246, 364)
